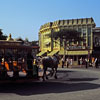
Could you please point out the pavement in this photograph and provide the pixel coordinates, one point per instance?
(72, 84)
(79, 66)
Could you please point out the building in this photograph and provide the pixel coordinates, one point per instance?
(96, 42)
(87, 28)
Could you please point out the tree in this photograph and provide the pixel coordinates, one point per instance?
(69, 35)
(2, 37)
(26, 39)
(35, 43)
(66, 36)
(20, 39)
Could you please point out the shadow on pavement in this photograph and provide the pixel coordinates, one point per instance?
(82, 79)
(35, 88)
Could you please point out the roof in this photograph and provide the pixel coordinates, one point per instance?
(13, 45)
(96, 29)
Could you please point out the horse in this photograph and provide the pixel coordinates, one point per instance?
(50, 62)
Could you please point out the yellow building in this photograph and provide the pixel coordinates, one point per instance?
(82, 49)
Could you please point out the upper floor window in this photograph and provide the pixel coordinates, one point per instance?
(80, 30)
(97, 41)
(84, 31)
(89, 31)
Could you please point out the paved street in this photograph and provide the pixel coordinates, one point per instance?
(72, 84)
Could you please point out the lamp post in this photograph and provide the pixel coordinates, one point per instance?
(51, 39)
(88, 53)
(88, 56)
(64, 48)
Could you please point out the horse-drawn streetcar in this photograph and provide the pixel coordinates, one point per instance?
(16, 61)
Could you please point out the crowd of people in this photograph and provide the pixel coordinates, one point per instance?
(66, 62)
(69, 62)
(86, 62)
(89, 62)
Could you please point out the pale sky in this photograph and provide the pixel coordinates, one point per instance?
(23, 18)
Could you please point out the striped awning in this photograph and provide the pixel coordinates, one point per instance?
(53, 52)
(41, 53)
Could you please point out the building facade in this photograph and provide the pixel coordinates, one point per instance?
(49, 46)
(96, 42)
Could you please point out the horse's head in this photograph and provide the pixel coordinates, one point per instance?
(56, 57)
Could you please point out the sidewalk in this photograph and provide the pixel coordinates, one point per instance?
(79, 66)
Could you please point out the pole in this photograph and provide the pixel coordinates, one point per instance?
(51, 39)
(88, 57)
(64, 48)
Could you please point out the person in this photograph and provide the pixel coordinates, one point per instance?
(0, 67)
(96, 62)
(71, 62)
(30, 64)
(62, 62)
(81, 61)
(86, 62)
(0, 61)
(67, 62)
(93, 62)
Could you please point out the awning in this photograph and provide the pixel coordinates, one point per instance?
(77, 53)
(84, 52)
(61, 52)
(47, 43)
(53, 52)
(41, 53)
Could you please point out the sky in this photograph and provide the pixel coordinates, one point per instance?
(23, 18)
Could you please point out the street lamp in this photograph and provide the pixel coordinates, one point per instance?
(64, 48)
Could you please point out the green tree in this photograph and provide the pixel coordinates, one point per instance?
(2, 37)
(67, 36)
(19, 39)
(35, 43)
(26, 39)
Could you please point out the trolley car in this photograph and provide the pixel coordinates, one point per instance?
(13, 61)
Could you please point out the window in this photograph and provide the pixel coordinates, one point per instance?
(89, 36)
(79, 30)
(97, 41)
(84, 32)
(89, 41)
(84, 35)
(89, 31)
